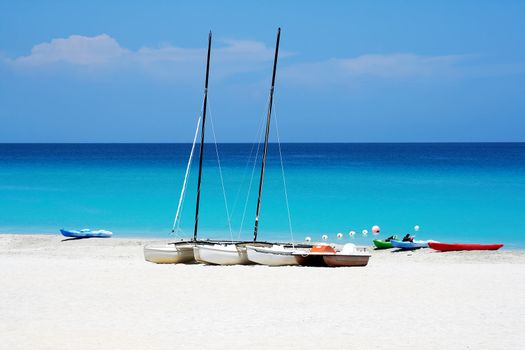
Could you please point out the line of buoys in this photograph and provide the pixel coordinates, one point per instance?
(375, 231)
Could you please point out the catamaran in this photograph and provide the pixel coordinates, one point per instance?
(280, 254)
(277, 254)
(235, 253)
(182, 251)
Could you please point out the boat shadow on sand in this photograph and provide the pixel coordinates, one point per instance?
(404, 250)
(77, 238)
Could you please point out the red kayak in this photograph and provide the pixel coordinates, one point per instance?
(445, 247)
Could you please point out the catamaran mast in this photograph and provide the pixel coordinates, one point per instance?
(204, 104)
(270, 102)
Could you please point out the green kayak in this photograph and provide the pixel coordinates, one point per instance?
(381, 244)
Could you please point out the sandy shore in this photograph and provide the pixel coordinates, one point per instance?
(101, 294)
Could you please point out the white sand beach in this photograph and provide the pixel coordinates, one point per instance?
(101, 294)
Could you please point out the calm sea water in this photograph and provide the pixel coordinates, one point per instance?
(456, 192)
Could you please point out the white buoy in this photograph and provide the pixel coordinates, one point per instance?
(416, 228)
(308, 239)
(364, 232)
(324, 237)
(339, 235)
(375, 230)
(351, 234)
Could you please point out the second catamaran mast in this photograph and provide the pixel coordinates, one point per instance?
(204, 104)
(268, 118)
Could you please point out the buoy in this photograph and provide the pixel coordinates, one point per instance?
(365, 232)
(416, 228)
(351, 234)
(375, 230)
(308, 239)
(324, 237)
(339, 235)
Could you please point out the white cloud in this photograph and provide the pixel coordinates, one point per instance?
(387, 66)
(234, 55)
(398, 65)
(77, 50)
(234, 50)
(238, 56)
(247, 49)
(167, 62)
(167, 54)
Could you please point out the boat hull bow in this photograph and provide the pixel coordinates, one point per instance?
(221, 254)
(169, 253)
(447, 247)
(271, 256)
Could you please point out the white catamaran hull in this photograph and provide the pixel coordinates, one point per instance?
(169, 253)
(220, 254)
(271, 256)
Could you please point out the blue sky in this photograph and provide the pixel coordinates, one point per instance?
(350, 71)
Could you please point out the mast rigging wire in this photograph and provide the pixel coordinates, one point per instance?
(241, 186)
(220, 174)
(259, 137)
(176, 221)
(284, 177)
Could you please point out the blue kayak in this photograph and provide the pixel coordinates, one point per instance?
(86, 233)
(409, 245)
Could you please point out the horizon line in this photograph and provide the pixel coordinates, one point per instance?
(290, 142)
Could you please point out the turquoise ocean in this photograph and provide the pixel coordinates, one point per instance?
(469, 192)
